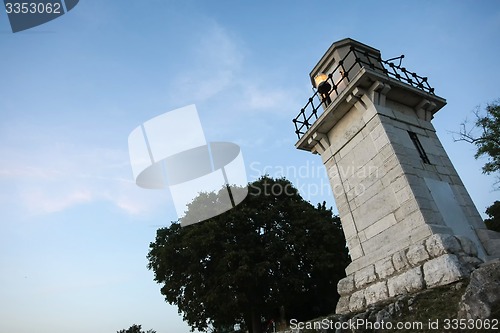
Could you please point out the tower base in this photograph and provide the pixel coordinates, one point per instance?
(438, 260)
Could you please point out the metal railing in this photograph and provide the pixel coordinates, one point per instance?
(343, 73)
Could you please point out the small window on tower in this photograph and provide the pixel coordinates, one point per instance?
(418, 145)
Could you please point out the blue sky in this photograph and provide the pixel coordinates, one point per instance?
(75, 229)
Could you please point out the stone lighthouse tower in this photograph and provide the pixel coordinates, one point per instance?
(408, 219)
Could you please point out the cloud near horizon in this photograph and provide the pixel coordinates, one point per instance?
(52, 178)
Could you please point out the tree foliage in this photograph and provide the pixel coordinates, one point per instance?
(273, 251)
(487, 141)
(493, 211)
(135, 329)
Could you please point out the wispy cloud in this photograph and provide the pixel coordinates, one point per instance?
(51, 178)
(220, 64)
(268, 98)
(39, 200)
(216, 60)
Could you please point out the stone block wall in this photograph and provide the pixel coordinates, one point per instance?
(399, 197)
(438, 260)
(394, 188)
(378, 210)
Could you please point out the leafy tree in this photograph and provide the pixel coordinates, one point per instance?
(493, 211)
(272, 252)
(135, 329)
(487, 141)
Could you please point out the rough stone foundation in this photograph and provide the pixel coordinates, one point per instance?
(475, 300)
(438, 260)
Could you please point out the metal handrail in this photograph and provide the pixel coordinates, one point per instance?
(310, 112)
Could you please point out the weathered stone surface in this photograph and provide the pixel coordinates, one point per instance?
(481, 299)
(342, 305)
(346, 285)
(382, 224)
(400, 262)
(491, 241)
(443, 270)
(383, 315)
(417, 254)
(406, 308)
(384, 268)
(470, 262)
(468, 246)
(356, 252)
(357, 301)
(376, 292)
(365, 276)
(439, 244)
(407, 282)
(399, 306)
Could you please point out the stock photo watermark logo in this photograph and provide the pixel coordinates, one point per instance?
(25, 15)
(312, 180)
(170, 151)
